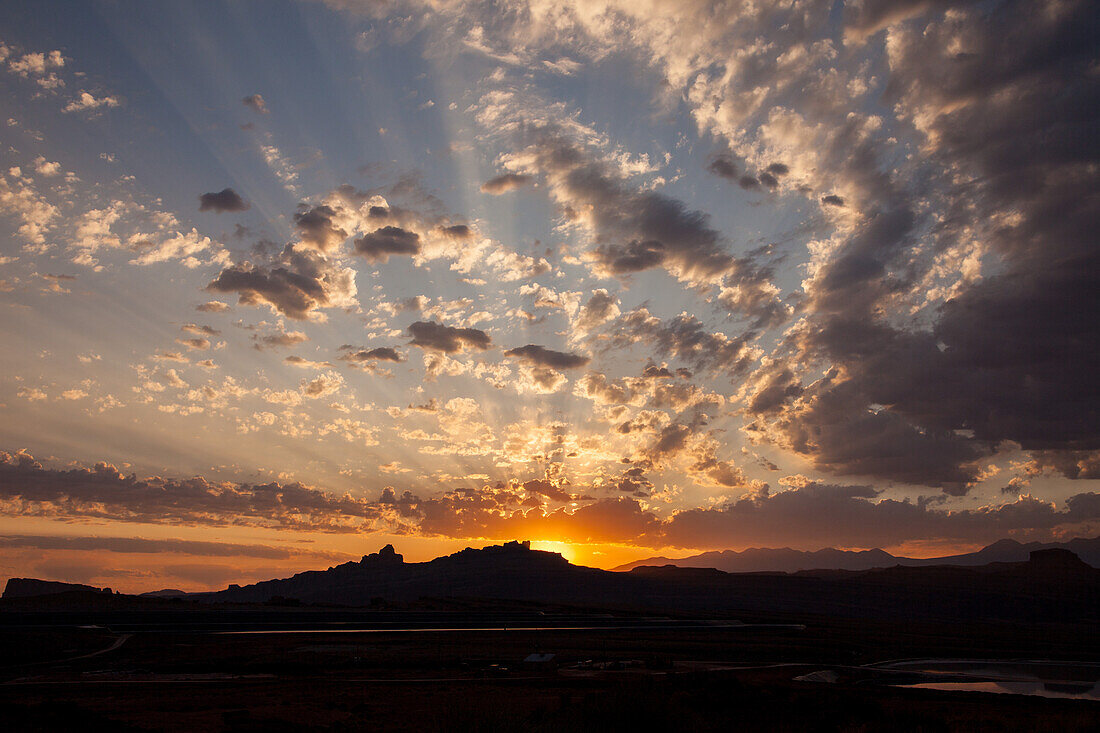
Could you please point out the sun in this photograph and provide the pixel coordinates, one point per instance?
(564, 549)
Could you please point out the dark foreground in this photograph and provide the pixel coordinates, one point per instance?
(635, 676)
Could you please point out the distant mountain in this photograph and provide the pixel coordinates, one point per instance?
(1049, 583)
(500, 571)
(765, 560)
(31, 587)
(786, 560)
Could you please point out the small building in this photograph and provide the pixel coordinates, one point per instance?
(539, 661)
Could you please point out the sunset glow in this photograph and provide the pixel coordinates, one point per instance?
(283, 282)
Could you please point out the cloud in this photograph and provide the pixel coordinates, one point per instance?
(319, 229)
(822, 515)
(600, 308)
(103, 492)
(141, 545)
(867, 17)
(448, 339)
(256, 103)
(724, 166)
(86, 101)
(686, 338)
(197, 344)
(506, 182)
(299, 282)
(225, 200)
(46, 168)
(381, 353)
(35, 214)
(542, 356)
(323, 385)
(635, 228)
(303, 363)
(36, 64)
(537, 379)
(994, 356)
(212, 306)
(404, 219)
(378, 245)
(643, 229)
(809, 515)
(200, 330)
(279, 339)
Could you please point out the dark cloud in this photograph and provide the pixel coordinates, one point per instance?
(292, 294)
(1073, 464)
(299, 361)
(685, 337)
(381, 353)
(298, 282)
(724, 166)
(600, 308)
(448, 339)
(279, 339)
(832, 200)
(140, 545)
(102, 492)
(639, 229)
(1009, 356)
(200, 330)
(821, 515)
(633, 256)
(412, 303)
(318, 228)
(636, 229)
(542, 356)
(644, 421)
(197, 344)
(631, 481)
(256, 103)
(552, 490)
(457, 231)
(829, 424)
(505, 183)
(655, 231)
(225, 200)
(866, 17)
(670, 441)
(810, 516)
(652, 371)
(381, 243)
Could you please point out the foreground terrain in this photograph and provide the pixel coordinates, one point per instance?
(513, 639)
(598, 679)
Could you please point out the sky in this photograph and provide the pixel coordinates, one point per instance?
(281, 282)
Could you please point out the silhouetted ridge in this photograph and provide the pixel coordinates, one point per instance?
(786, 560)
(1057, 558)
(1052, 585)
(499, 571)
(386, 556)
(31, 587)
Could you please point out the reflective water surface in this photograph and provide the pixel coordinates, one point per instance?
(1038, 688)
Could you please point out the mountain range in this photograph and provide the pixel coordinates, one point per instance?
(1051, 584)
(786, 560)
